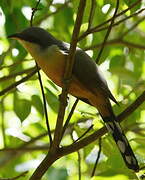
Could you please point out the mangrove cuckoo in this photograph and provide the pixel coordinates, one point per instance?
(87, 82)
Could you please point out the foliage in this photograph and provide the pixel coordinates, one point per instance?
(23, 139)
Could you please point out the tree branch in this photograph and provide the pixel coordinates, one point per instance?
(68, 74)
(14, 85)
(119, 22)
(52, 154)
(26, 71)
(117, 41)
(92, 11)
(98, 157)
(108, 32)
(132, 27)
(95, 29)
(46, 15)
(84, 142)
(69, 117)
(17, 177)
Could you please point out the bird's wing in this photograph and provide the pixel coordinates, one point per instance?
(86, 70)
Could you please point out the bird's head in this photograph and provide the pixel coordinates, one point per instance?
(34, 35)
(35, 39)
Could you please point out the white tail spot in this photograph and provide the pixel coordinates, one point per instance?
(110, 127)
(128, 159)
(118, 126)
(121, 146)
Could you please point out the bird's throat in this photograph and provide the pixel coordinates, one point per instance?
(51, 60)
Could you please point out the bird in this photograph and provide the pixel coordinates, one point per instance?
(87, 82)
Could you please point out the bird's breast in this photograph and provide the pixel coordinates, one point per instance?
(52, 62)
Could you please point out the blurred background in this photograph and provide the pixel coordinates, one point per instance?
(23, 133)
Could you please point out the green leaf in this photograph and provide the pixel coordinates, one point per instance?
(53, 85)
(54, 174)
(11, 27)
(22, 107)
(52, 100)
(130, 2)
(37, 103)
(117, 61)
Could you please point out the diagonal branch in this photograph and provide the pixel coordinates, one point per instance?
(117, 41)
(10, 76)
(92, 11)
(67, 74)
(116, 23)
(47, 15)
(14, 85)
(52, 155)
(108, 32)
(98, 157)
(84, 142)
(17, 177)
(94, 29)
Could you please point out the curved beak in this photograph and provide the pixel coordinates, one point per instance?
(14, 36)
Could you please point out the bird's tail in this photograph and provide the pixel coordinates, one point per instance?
(103, 105)
(123, 145)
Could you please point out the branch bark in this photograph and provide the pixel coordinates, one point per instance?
(68, 74)
(96, 28)
(108, 32)
(84, 142)
(117, 41)
(51, 158)
(52, 154)
(14, 85)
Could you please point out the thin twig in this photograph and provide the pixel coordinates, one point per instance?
(69, 117)
(98, 157)
(39, 20)
(105, 22)
(84, 133)
(3, 122)
(14, 85)
(132, 107)
(33, 12)
(117, 41)
(17, 177)
(44, 106)
(135, 87)
(92, 11)
(14, 64)
(132, 27)
(84, 142)
(79, 164)
(117, 23)
(79, 160)
(143, 167)
(108, 32)
(132, 45)
(40, 80)
(26, 71)
(26, 149)
(94, 136)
